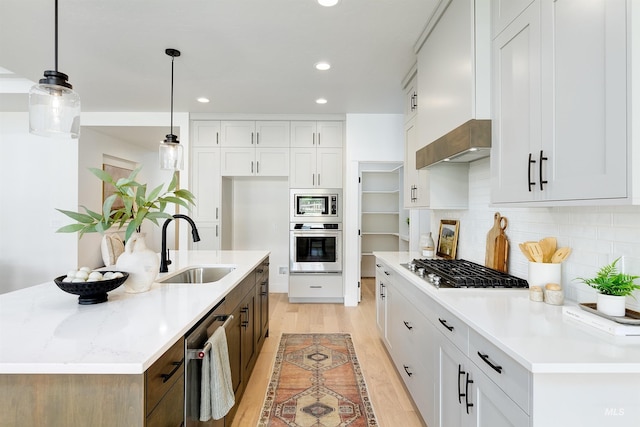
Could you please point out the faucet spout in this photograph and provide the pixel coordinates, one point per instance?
(164, 255)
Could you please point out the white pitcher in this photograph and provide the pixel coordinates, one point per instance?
(141, 263)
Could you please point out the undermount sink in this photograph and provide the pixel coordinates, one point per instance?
(199, 275)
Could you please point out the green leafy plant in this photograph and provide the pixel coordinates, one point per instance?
(135, 207)
(610, 281)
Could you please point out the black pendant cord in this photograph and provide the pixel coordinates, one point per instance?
(172, 59)
(56, 38)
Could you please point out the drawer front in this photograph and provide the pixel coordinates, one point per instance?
(508, 374)
(163, 374)
(451, 327)
(234, 297)
(315, 286)
(170, 411)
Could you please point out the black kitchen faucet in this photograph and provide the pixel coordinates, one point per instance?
(164, 255)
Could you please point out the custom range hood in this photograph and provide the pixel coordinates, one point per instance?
(466, 143)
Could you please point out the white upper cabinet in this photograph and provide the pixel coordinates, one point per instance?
(560, 104)
(316, 154)
(317, 134)
(205, 133)
(238, 133)
(315, 168)
(272, 133)
(255, 148)
(258, 161)
(248, 133)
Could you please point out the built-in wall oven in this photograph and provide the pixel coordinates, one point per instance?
(315, 248)
(316, 205)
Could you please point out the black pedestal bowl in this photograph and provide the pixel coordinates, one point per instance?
(91, 292)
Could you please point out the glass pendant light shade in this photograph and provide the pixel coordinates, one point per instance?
(54, 107)
(171, 150)
(171, 156)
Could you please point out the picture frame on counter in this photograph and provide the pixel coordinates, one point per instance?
(448, 238)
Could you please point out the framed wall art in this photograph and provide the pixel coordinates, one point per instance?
(108, 189)
(448, 238)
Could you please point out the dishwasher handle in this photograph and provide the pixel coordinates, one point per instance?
(199, 353)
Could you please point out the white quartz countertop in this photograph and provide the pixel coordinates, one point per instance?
(535, 334)
(44, 330)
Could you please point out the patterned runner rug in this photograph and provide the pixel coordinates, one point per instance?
(317, 382)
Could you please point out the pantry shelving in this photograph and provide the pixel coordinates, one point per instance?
(383, 221)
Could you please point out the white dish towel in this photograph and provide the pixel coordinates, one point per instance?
(216, 389)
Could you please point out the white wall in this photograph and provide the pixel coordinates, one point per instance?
(38, 175)
(261, 222)
(369, 137)
(597, 235)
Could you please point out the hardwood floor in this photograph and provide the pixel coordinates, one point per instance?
(391, 402)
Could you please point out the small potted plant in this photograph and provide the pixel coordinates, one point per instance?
(612, 287)
(128, 207)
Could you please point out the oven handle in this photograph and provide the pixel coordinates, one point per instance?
(199, 353)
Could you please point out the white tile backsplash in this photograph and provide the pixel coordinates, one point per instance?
(597, 234)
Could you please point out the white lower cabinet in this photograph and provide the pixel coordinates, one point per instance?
(383, 291)
(466, 395)
(411, 337)
(455, 376)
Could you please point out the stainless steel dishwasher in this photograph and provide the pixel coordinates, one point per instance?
(194, 352)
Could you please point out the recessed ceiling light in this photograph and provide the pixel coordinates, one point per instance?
(328, 3)
(203, 100)
(323, 66)
(321, 101)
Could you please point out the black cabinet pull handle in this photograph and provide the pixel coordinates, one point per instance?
(529, 172)
(251, 138)
(466, 393)
(407, 324)
(406, 369)
(444, 323)
(485, 358)
(542, 182)
(387, 273)
(382, 295)
(460, 374)
(176, 366)
(257, 138)
(378, 265)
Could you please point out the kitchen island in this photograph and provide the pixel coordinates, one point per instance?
(102, 351)
(515, 361)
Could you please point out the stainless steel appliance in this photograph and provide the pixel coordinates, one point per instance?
(458, 273)
(315, 248)
(195, 349)
(316, 205)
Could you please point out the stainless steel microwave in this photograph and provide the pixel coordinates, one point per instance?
(316, 205)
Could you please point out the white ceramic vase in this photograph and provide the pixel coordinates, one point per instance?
(611, 305)
(141, 263)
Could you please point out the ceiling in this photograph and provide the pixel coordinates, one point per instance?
(246, 56)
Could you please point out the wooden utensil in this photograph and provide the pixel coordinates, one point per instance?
(525, 252)
(548, 246)
(497, 250)
(561, 254)
(535, 250)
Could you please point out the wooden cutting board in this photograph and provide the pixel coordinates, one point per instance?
(497, 244)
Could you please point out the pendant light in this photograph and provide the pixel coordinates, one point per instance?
(54, 108)
(170, 149)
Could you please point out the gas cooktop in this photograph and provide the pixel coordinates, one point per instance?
(459, 273)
